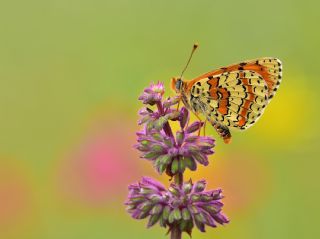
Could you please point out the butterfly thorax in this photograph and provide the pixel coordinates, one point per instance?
(190, 95)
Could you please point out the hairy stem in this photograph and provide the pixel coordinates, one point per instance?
(175, 232)
(178, 178)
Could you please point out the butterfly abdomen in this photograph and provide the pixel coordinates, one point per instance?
(222, 130)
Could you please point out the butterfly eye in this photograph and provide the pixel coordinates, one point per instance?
(178, 84)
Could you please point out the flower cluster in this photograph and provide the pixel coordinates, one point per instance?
(186, 206)
(168, 152)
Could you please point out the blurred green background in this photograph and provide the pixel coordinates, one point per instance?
(71, 73)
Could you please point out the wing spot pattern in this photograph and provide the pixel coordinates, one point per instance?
(237, 95)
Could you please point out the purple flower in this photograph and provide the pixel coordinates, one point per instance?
(173, 153)
(184, 206)
(152, 94)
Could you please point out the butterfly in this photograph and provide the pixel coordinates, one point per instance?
(231, 97)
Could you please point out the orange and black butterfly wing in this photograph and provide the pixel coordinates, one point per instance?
(269, 68)
(237, 95)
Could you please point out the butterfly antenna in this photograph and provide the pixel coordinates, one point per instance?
(195, 46)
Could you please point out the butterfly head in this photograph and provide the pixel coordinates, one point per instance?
(177, 84)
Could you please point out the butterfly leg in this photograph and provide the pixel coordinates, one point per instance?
(178, 105)
(223, 131)
(199, 132)
(204, 127)
(202, 123)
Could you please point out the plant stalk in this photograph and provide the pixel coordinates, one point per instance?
(178, 178)
(175, 232)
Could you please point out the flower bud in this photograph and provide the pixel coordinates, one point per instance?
(152, 94)
(144, 119)
(145, 142)
(162, 162)
(180, 137)
(186, 214)
(146, 190)
(170, 102)
(212, 209)
(150, 155)
(199, 186)
(182, 166)
(157, 148)
(202, 159)
(145, 206)
(139, 214)
(190, 163)
(187, 187)
(142, 148)
(216, 194)
(153, 220)
(147, 181)
(191, 138)
(171, 217)
(174, 190)
(209, 220)
(157, 209)
(154, 199)
(156, 136)
(195, 198)
(193, 209)
(220, 218)
(194, 127)
(144, 111)
(184, 117)
(166, 212)
(159, 123)
(199, 221)
(199, 217)
(176, 214)
(137, 199)
(206, 198)
(175, 166)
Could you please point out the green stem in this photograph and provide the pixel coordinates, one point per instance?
(175, 232)
(178, 178)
